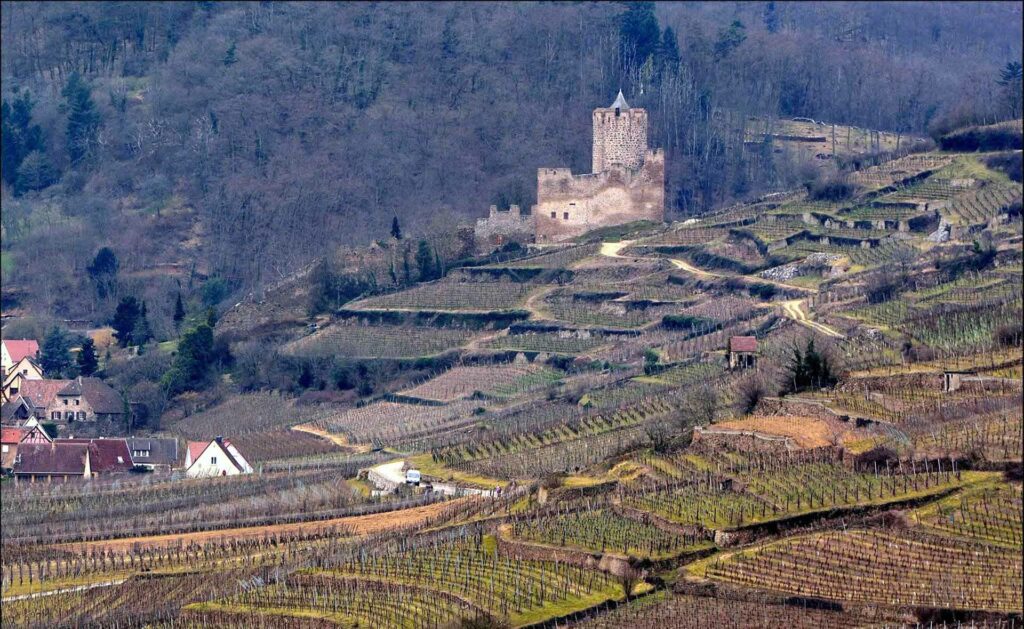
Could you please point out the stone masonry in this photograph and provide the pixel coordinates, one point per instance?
(503, 226)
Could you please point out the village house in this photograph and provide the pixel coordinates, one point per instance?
(78, 400)
(52, 462)
(12, 351)
(742, 352)
(24, 369)
(154, 454)
(214, 458)
(14, 436)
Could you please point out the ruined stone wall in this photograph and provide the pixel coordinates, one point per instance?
(620, 139)
(502, 226)
(569, 205)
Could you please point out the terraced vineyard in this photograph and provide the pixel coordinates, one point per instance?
(996, 437)
(501, 381)
(697, 504)
(452, 297)
(989, 514)
(574, 429)
(980, 206)
(898, 568)
(556, 343)
(360, 341)
(340, 600)
(775, 485)
(390, 422)
(684, 611)
(477, 571)
(588, 457)
(602, 530)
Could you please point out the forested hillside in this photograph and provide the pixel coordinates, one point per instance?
(239, 141)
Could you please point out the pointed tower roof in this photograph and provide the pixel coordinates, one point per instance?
(620, 102)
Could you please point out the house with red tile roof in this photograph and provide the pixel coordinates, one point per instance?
(214, 458)
(742, 352)
(106, 456)
(52, 462)
(13, 350)
(13, 436)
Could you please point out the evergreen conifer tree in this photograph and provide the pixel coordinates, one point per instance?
(83, 119)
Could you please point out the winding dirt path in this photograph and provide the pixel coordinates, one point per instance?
(793, 309)
(689, 268)
(612, 249)
(531, 304)
(338, 440)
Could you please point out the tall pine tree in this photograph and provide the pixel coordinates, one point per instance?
(55, 355)
(179, 313)
(88, 362)
(83, 119)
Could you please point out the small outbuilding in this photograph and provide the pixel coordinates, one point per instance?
(742, 352)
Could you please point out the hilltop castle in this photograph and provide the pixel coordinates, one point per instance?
(627, 184)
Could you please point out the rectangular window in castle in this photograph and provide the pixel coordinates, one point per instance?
(565, 215)
(552, 215)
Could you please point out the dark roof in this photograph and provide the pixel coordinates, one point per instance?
(52, 458)
(13, 410)
(161, 451)
(106, 455)
(40, 393)
(100, 396)
(74, 387)
(742, 344)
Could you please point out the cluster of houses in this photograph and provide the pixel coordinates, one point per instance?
(31, 454)
(27, 393)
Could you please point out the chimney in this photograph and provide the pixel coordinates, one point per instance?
(219, 439)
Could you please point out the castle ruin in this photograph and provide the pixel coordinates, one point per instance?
(627, 183)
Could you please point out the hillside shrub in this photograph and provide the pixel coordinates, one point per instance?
(1009, 164)
(1000, 137)
(835, 188)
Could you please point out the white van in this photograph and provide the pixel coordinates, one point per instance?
(412, 477)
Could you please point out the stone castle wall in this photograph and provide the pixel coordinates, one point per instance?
(569, 205)
(503, 226)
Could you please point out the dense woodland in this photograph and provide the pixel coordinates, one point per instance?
(238, 141)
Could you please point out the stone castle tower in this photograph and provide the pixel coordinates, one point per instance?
(627, 182)
(620, 136)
